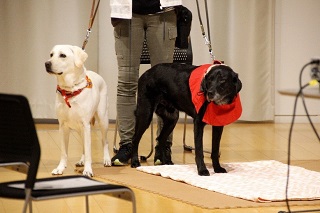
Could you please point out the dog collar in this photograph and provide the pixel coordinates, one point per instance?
(68, 94)
(215, 115)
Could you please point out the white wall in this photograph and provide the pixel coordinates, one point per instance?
(234, 40)
(31, 27)
(296, 37)
(297, 40)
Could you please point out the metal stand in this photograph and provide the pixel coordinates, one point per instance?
(185, 146)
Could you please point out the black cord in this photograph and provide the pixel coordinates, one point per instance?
(300, 93)
(289, 143)
(303, 100)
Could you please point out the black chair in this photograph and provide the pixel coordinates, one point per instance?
(179, 56)
(19, 145)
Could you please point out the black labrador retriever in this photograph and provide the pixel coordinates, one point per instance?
(165, 90)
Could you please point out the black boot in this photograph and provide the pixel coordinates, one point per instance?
(123, 155)
(157, 155)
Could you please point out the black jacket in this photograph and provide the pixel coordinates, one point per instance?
(144, 7)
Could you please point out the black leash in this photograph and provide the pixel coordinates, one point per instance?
(207, 39)
(94, 10)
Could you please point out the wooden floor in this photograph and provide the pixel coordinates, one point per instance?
(240, 142)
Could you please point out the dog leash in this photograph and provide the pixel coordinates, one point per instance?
(94, 10)
(67, 94)
(206, 38)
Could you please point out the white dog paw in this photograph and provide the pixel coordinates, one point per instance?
(57, 171)
(87, 173)
(80, 164)
(107, 162)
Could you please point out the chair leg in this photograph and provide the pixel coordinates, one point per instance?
(133, 201)
(87, 204)
(30, 207)
(27, 202)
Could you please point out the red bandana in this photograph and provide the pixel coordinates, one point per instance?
(215, 115)
(67, 94)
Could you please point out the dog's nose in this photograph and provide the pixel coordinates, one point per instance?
(48, 65)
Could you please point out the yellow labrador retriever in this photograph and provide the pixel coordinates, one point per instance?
(81, 98)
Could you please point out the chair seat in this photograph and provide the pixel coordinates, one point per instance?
(60, 186)
(19, 145)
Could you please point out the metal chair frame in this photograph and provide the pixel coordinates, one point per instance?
(20, 150)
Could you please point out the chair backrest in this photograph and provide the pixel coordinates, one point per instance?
(179, 55)
(18, 136)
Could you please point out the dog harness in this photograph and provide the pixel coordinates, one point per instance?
(215, 115)
(67, 94)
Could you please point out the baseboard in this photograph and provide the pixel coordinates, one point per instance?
(111, 121)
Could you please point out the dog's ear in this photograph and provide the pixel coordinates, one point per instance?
(80, 56)
(238, 83)
(203, 86)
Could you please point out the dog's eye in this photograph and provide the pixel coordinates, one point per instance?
(62, 55)
(51, 54)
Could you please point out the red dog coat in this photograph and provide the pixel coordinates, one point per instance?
(215, 115)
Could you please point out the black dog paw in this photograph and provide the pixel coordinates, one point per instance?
(135, 162)
(204, 172)
(220, 170)
(169, 162)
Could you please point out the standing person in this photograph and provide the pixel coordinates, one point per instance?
(158, 24)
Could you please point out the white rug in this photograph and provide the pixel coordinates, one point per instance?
(259, 181)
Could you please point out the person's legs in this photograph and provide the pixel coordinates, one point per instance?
(129, 36)
(161, 34)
